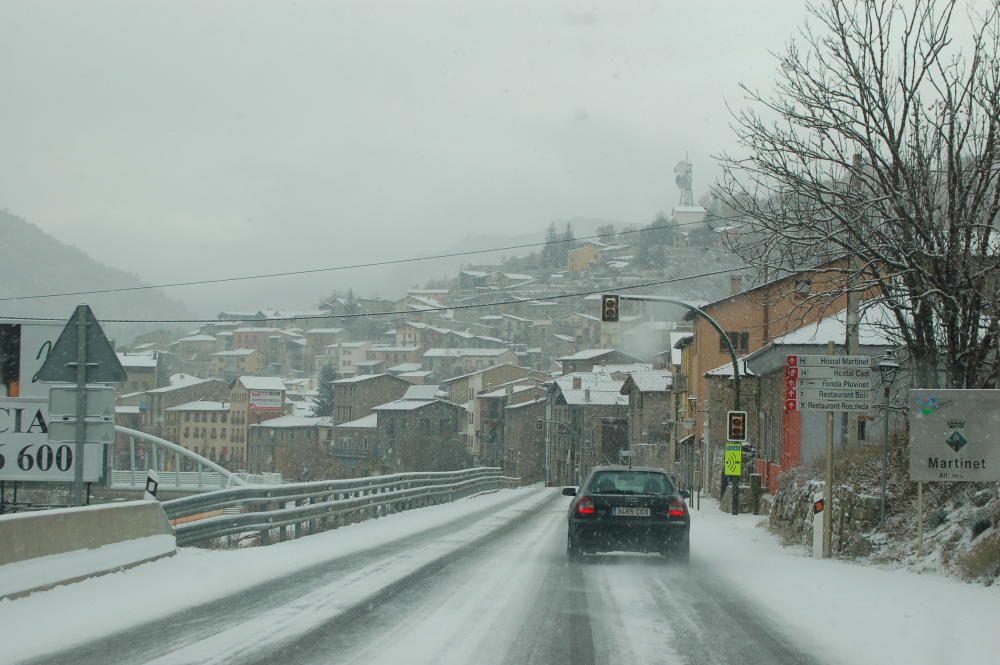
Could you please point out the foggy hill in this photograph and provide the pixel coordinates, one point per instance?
(35, 262)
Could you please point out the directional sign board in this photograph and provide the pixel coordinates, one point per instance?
(953, 435)
(733, 459)
(828, 383)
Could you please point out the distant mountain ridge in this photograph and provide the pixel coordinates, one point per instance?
(35, 262)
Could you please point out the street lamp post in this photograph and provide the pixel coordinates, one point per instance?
(573, 448)
(887, 368)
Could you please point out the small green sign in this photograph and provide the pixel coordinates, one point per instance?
(734, 459)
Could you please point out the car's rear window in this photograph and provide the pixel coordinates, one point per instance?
(630, 482)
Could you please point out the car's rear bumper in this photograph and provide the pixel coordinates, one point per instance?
(610, 535)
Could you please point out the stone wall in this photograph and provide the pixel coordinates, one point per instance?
(854, 515)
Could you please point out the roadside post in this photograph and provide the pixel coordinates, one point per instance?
(817, 525)
(832, 384)
(82, 354)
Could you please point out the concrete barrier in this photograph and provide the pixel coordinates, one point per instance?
(39, 550)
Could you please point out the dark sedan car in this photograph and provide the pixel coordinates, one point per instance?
(618, 508)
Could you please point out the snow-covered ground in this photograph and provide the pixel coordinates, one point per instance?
(851, 613)
(487, 580)
(192, 577)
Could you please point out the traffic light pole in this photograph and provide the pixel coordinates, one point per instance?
(729, 346)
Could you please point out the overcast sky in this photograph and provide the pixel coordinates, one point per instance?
(184, 140)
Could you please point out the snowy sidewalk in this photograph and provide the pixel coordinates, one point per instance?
(843, 612)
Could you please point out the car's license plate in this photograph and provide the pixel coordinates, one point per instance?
(630, 511)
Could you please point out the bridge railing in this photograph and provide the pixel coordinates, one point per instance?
(321, 505)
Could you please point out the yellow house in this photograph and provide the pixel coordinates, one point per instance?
(580, 258)
(230, 364)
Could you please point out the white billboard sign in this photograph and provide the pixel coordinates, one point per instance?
(954, 435)
(25, 450)
(265, 400)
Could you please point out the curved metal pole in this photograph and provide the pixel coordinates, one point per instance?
(170, 445)
(712, 322)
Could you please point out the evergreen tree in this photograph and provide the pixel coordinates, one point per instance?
(567, 244)
(550, 252)
(324, 400)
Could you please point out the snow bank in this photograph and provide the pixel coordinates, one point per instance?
(847, 613)
(45, 571)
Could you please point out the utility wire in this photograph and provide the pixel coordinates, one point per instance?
(443, 308)
(354, 266)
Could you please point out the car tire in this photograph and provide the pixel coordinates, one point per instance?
(573, 551)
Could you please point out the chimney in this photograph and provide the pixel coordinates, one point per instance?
(577, 383)
(735, 284)
(586, 395)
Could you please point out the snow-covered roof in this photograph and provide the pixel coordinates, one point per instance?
(589, 317)
(292, 421)
(516, 276)
(324, 331)
(464, 352)
(196, 338)
(500, 392)
(587, 354)
(262, 383)
(368, 422)
(359, 377)
(726, 369)
(394, 349)
(137, 360)
(622, 368)
(402, 368)
(420, 374)
(236, 352)
(201, 405)
(603, 390)
(409, 404)
(565, 338)
(178, 381)
(254, 329)
(651, 381)
(127, 409)
(422, 392)
(520, 405)
(871, 329)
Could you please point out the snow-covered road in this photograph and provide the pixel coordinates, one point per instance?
(484, 581)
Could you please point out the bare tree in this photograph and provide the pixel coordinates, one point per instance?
(879, 146)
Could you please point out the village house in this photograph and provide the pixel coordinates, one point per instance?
(419, 432)
(276, 446)
(354, 397)
(586, 360)
(353, 443)
(141, 371)
(588, 424)
(227, 365)
(453, 362)
(203, 427)
(253, 399)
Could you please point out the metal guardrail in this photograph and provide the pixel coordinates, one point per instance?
(321, 505)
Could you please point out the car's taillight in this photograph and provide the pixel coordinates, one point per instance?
(585, 506)
(677, 508)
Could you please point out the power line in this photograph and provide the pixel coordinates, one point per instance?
(308, 271)
(443, 308)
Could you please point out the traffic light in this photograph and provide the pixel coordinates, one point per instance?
(736, 426)
(609, 309)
